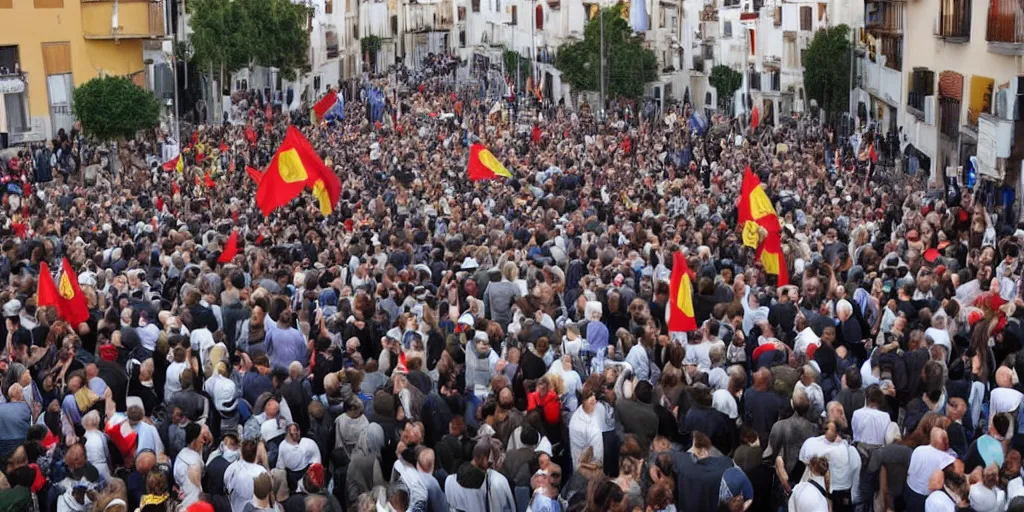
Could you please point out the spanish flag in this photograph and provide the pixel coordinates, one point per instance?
(772, 258)
(680, 310)
(67, 297)
(483, 165)
(174, 164)
(755, 210)
(294, 167)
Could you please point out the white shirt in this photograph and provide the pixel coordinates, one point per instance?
(584, 431)
(807, 498)
(699, 354)
(1004, 400)
(238, 479)
(843, 461)
(1014, 488)
(983, 499)
(173, 383)
(923, 462)
(297, 456)
(805, 339)
(96, 452)
(187, 458)
(870, 425)
(939, 501)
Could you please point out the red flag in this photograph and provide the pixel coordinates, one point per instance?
(755, 118)
(175, 189)
(76, 310)
(255, 174)
(536, 135)
(46, 292)
(209, 181)
(325, 105)
(195, 138)
(250, 135)
(223, 148)
(294, 167)
(680, 311)
(174, 164)
(483, 165)
(230, 249)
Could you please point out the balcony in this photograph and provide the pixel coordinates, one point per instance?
(135, 19)
(430, 17)
(754, 80)
(954, 24)
(949, 117)
(1005, 27)
(886, 19)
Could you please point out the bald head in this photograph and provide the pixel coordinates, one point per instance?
(1004, 377)
(425, 460)
(145, 462)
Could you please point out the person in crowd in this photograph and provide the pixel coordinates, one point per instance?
(407, 337)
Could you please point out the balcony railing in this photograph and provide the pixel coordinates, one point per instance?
(136, 20)
(915, 100)
(949, 117)
(955, 20)
(892, 48)
(1005, 22)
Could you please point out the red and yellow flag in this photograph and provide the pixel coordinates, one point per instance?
(294, 167)
(755, 210)
(772, 258)
(67, 297)
(174, 164)
(483, 165)
(680, 301)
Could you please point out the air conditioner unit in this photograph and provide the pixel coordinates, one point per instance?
(929, 110)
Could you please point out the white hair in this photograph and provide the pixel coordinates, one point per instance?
(91, 420)
(844, 306)
(593, 310)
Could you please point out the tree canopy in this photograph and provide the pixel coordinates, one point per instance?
(113, 107)
(240, 33)
(726, 81)
(827, 69)
(629, 64)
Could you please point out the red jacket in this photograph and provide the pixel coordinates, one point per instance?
(549, 404)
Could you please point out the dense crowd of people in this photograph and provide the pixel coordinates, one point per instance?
(441, 345)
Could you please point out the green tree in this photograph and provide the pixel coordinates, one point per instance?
(231, 35)
(112, 108)
(629, 64)
(512, 58)
(827, 69)
(726, 81)
(369, 46)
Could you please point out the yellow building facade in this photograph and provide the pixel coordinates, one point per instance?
(48, 47)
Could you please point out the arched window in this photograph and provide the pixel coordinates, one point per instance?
(540, 17)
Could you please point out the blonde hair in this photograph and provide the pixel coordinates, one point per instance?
(510, 271)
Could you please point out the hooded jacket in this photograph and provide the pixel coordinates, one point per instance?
(473, 489)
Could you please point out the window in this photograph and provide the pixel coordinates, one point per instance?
(955, 20)
(515, 15)
(17, 117)
(539, 15)
(475, 5)
(1003, 20)
(48, 4)
(806, 16)
(9, 60)
(6, 4)
(394, 24)
(922, 85)
(462, 13)
(727, 29)
(329, 7)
